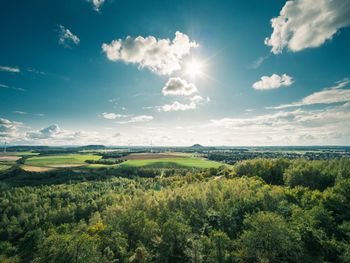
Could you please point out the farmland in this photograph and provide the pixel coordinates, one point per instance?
(4, 167)
(64, 160)
(174, 162)
(168, 160)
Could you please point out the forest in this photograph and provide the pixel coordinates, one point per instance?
(262, 210)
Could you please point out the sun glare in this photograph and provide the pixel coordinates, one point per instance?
(194, 68)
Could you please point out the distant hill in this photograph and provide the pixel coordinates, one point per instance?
(197, 146)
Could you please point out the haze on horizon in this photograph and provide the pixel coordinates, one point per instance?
(234, 73)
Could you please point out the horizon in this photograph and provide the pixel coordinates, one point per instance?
(176, 146)
(272, 74)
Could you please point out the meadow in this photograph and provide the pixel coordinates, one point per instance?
(4, 167)
(172, 160)
(176, 162)
(64, 160)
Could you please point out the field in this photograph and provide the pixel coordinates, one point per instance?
(4, 167)
(64, 160)
(150, 160)
(174, 162)
(37, 169)
(148, 156)
(7, 160)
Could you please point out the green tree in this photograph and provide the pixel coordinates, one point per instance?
(267, 238)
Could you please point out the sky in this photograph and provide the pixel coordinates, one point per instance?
(175, 73)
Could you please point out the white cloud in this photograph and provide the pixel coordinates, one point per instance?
(198, 99)
(336, 94)
(306, 24)
(177, 106)
(46, 133)
(141, 118)
(162, 56)
(97, 4)
(321, 127)
(113, 116)
(135, 119)
(126, 118)
(9, 129)
(10, 69)
(35, 71)
(257, 63)
(53, 134)
(66, 37)
(273, 82)
(8, 87)
(178, 86)
(20, 112)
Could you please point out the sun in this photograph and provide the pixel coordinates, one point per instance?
(194, 68)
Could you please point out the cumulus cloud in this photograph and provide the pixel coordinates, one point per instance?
(10, 69)
(306, 24)
(178, 86)
(198, 99)
(178, 106)
(285, 127)
(97, 4)
(273, 82)
(49, 132)
(113, 116)
(9, 129)
(66, 37)
(162, 56)
(336, 94)
(53, 134)
(126, 118)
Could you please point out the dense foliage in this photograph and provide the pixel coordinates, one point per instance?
(258, 211)
(105, 161)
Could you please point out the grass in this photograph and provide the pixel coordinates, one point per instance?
(64, 160)
(71, 160)
(4, 167)
(26, 153)
(172, 163)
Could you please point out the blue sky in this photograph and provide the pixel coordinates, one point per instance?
(175, 72)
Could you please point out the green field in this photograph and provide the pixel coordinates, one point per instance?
(26, 153)
(172, 163)
(60, 160)
(4, 167)
(67, 160)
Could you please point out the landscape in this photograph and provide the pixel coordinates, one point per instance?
(175, 131)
